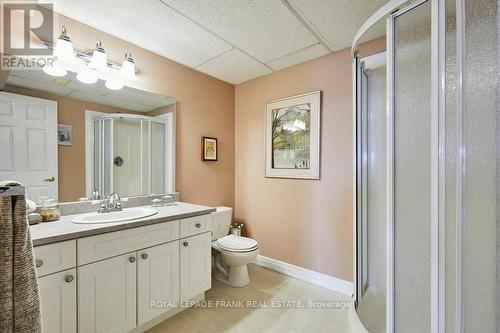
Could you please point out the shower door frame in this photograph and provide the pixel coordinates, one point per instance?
(390, 12)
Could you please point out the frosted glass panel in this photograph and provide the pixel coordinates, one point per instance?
(480, 111)
(127, 157)
(158, 153)
(412, 169)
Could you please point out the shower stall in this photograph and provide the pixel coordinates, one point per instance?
(438, 149)
(131, 155)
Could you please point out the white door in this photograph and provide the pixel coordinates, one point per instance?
(107, 295)
(195, 265)
(157, 280)
(58, 300)
(28, 141)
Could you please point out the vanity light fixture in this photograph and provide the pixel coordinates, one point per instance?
(63, 51)
(99, 59)
(128, 67)
(64, 47)
(90, 67)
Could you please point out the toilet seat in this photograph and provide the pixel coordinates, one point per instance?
(237, 244)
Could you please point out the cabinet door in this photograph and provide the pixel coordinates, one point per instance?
(58, 301)
(195, 265)
(107, 295)
(157, 280)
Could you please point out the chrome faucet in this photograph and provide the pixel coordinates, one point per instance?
(112, 203)
(95, 195)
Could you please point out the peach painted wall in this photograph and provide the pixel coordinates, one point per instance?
(205, 107)
(307, 223)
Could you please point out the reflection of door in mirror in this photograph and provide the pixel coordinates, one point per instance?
(28, 141)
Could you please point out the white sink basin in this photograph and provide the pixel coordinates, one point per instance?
(124, 215)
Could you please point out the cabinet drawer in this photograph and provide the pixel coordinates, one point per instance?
(111, 244)
(195, 225)
(55, 257)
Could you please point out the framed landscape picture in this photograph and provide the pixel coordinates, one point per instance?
(293, 136)
(209, 149)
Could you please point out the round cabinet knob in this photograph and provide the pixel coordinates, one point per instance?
(69, 278)
(198, 225)
(185, 243)
(144, 256)
(131, 259)
(38, 263)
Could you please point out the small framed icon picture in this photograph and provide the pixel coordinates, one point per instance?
(64, 134)
(209, 149)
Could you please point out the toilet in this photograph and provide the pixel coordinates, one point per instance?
(232, 253)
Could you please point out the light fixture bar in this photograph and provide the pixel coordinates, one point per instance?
(87, 56)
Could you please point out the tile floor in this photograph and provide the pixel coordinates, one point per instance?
(267, 288)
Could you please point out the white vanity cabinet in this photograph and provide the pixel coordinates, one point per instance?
(195, 265)
(58, 300)
(157, 281)
(55, 268)
(106, 295)
(127, 280)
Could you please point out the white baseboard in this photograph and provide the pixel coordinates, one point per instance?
(319, 279)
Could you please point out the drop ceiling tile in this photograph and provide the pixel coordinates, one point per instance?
(299, 57)
(265, 29)
(149, 24)
(37, 85)
(234, 67)
(339, 20)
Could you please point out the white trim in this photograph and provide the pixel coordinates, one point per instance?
(375, 61)
(437, 165)
(89, 150)
(354, 170)
(460, 169)
(319, 279)
(390, 176)
(384, 11)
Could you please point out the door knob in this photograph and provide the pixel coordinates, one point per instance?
(198, 225)
(185, 244)
(144, 256)
(131, 259)
(51, 179)
(38, 263)
(68, 278)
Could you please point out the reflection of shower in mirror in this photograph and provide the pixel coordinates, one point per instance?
(131, 155)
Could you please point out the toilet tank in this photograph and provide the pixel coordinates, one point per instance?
(221, 222)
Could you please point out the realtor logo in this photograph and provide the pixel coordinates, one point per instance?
(24, 26)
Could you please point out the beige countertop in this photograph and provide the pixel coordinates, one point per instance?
(64, 229)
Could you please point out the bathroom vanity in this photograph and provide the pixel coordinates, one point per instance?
(122, 277)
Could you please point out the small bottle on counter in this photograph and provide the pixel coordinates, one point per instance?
(50, 210)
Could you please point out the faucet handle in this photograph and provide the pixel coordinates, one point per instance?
(103, 206)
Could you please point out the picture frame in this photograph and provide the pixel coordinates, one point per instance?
(64, 134)
(209, 149)
(292, 137)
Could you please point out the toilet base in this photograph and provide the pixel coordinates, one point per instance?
(236, 276)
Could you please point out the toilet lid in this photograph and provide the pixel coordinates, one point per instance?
(237, 243)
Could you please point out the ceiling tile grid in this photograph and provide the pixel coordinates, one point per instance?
(232, 40)
(235, 67)
(149, 24)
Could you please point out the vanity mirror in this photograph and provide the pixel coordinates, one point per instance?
(121, 140)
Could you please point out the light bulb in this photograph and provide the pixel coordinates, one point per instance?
(87, 76)
(128, 67)
(64, 47)
(99, 59)
(113, 84)
(54, 70)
